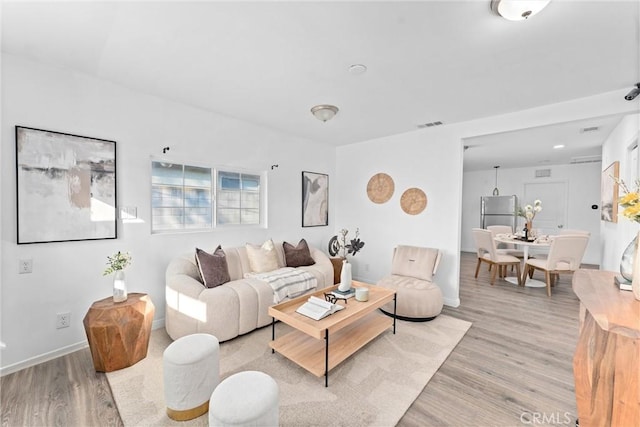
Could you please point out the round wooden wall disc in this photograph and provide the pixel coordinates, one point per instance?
(380, 188)
(413, 201)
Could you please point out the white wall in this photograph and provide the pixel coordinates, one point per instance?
(616, 236)
(412, 160)
(67, 277)
(583, 190)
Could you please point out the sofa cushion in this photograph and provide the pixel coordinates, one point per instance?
(212, 267)
(297, 256)
(262, 258)
(414, 261)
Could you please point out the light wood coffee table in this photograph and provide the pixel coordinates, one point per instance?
(320, 345)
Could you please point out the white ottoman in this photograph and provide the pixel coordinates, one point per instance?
(191, 370)
(247, 398)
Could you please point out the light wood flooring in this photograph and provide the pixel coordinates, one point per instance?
(514, 364)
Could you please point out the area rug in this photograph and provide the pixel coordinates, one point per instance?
(374, 387)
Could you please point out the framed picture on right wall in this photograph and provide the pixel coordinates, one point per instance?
(609, 193)
(315, 199)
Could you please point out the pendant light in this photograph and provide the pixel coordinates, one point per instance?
(496, 192)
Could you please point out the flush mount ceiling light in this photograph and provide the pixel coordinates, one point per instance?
(518, 10)
(357, 69)
(324, 112)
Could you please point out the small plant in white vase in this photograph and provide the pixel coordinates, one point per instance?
(352, 248)
(116, 264)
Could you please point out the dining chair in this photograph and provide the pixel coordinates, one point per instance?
(505, 248)
(487, 252)
(568, 231)
(565, 256)
(561, 232)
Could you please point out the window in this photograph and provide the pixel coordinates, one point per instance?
(238, 198)
(182, 197)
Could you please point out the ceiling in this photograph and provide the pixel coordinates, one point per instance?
(581, 140)
(270, 62)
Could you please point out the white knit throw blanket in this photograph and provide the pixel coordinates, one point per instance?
(286, 282)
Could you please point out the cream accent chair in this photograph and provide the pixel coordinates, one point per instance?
(418, 298)
(565, 256)
(487, 252)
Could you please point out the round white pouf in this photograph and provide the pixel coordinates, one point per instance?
(247, 398)
(191, 370)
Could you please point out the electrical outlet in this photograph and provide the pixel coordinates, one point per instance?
(25, 266)
(63, 320)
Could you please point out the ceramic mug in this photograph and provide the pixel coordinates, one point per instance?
(362, 294)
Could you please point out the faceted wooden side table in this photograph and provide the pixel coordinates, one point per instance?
(118, 333)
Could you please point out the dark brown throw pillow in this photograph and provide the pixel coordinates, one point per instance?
(214, 270)
(297, 256)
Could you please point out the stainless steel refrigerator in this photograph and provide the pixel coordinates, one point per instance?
(498, 210)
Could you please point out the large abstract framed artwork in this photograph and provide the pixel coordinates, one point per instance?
(609, 193)
(66, 187)
(315, 199)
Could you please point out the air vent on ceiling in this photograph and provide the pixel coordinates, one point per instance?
(543, 173)
(430, 124)
(585, 159)
(589, 129)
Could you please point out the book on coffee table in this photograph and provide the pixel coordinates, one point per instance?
(622, 283)
(346, 294)
(317, 308)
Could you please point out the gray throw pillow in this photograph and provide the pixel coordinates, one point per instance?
(212, 267)
(297, 256)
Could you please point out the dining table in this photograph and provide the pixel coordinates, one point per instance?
(514, 239)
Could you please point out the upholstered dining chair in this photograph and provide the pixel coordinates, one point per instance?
(487, 252)
(505, 248)
(561, 232)
(565, 256)
(568, 231)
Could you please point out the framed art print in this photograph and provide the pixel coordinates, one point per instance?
(315, 199)
(609, 193)
(66, 187)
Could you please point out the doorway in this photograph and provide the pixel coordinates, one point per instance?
(553, 217)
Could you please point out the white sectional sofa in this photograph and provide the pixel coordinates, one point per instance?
(234, 308)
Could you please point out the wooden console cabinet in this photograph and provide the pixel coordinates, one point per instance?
(606, 364)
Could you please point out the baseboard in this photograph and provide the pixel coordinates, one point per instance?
(157, 324)
(451, 302)
(41, 358)
(45, 357)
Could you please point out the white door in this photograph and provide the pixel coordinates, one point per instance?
(553, 217)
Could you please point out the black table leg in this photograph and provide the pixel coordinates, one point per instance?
(273, 332)
(326, 358)
(394, 312)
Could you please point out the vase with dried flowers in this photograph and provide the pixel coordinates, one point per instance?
(529, 213)
(116, 264)
(630, 261)
(347, 246)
